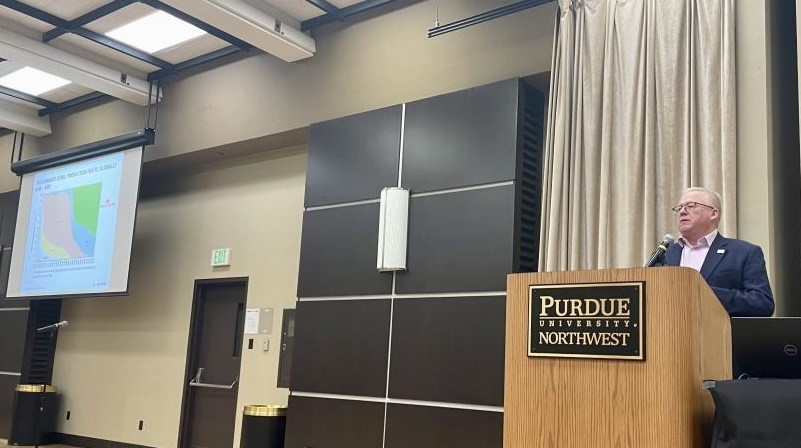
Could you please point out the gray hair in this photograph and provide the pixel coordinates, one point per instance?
(713, 198)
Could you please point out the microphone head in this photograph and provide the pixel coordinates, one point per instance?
(668, 239)
(63, 323)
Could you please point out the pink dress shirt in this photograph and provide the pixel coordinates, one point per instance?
(694, 256)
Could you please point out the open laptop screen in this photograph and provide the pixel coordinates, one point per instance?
(766, 347)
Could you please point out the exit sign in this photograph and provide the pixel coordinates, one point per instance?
(221, 257)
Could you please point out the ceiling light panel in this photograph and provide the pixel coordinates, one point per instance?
(99, 52)
(32, 81)
(246, 22)
(155, 32)
(77, 69)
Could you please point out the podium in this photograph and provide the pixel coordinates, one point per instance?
(572, 399)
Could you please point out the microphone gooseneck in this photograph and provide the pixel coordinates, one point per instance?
(657, 255)
(52, 327)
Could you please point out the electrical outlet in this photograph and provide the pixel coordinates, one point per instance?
(265, 345)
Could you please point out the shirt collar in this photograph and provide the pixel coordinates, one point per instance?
(705, 241)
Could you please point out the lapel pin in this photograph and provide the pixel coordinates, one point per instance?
(721, 251)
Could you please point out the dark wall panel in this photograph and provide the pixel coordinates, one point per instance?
(341, 347)
(324, 423)
(448, 349)
(338, 253)
(7, 385)
(460, 242)
(13, 325)
(353, 158)
(430, 427)
(463, 138)
(9, 203)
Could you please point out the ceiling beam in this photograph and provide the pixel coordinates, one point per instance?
(248, 23)
(25, 97)
(242, 45)
(75, 102)
(325, 6)
(85, 72)
(83, 32)
(87, 18)
(325, 19)
(23, 119)
(194, 62)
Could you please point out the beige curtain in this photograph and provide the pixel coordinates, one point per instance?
(642, 105)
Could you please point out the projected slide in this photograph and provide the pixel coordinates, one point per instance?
(71, 226)
(69, 223)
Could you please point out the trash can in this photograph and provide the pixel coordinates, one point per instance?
(34, 419)
(263, 427)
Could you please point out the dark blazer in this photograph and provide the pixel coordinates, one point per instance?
(735, 270)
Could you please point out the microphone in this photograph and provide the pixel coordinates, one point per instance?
(52, 327)
(657, 255)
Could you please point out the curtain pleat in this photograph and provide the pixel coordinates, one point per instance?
(642, 106)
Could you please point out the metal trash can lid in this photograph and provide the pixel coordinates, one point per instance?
(265, 410)
(35, 388)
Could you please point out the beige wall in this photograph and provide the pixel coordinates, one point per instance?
(382, 60)
(754, 180)
(123, 359)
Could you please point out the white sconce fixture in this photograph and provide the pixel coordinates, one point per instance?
(393, 227)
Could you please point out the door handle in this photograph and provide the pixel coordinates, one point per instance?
(197, 382)
(194, 383)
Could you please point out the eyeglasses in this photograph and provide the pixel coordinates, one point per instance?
(690, 206)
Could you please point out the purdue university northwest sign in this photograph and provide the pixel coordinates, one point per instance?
(596, 320)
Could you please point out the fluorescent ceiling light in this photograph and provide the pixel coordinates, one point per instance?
(248, 23)
(31, 81)
(155, 32)
(33, 53)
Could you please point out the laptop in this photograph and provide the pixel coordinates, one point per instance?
(766, 347)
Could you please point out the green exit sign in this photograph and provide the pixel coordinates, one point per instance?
(221, 257)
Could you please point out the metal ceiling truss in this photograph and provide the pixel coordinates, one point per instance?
(76, 26)
(26, 97)
(334, 14)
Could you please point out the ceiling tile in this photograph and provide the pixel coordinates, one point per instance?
(192, 49)
(123, 61)
(66, 93)
(300, 10)
(344, 3)
(120, 17)
(24, 20)
(67, 10)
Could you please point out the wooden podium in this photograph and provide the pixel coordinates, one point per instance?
(556, 402)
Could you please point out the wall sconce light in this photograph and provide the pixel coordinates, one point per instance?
(393, 228)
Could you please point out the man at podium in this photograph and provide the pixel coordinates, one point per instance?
(734, 269)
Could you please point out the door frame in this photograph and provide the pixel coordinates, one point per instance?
(191, 347)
